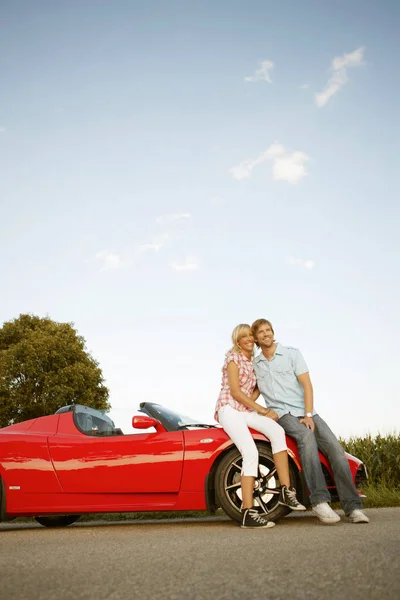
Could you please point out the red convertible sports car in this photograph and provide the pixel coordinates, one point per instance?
(58, 467)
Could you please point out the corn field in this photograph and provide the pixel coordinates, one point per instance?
(381, 455)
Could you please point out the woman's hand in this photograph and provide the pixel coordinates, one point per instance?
(273, 415)
(268, 412)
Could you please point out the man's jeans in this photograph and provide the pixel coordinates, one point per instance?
(308, 444)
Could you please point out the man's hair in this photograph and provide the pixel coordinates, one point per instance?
(256, 326)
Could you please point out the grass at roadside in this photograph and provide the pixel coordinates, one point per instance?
(136, 516)
(381, 456)
(381, 496)
(145, 516)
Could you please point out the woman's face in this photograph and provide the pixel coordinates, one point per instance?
(246, 341)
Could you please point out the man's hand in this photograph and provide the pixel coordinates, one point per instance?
(308, 422)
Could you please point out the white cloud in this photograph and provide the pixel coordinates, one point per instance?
(173, 217)
(243, 170)
(290, 168)
(110, 260)
(339, 78)
(304, 86)
(286, 166)
(191, 263)
(263, 73)
(305, 264)
(2, 129)
(155, 245)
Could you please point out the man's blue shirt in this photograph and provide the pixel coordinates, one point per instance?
(277, 380)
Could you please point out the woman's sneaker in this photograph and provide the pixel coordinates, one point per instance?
(252, 519)
(324, 513)
(288, 498)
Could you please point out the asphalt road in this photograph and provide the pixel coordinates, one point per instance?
(203, 560)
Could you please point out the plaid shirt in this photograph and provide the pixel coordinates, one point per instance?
(247, 382)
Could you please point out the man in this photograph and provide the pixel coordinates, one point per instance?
(284, 382)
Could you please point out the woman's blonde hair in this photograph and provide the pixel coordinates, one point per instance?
(237, 334)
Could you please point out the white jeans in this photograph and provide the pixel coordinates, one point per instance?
(237, 423)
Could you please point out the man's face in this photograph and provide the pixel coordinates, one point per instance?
(265, 336)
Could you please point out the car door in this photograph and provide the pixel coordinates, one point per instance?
(138, 463)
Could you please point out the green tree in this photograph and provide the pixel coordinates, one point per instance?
(44, 365)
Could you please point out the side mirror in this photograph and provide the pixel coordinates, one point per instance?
(143, 422)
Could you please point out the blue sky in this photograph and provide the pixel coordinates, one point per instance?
(170, 169)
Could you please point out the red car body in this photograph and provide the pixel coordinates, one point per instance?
(49, 466)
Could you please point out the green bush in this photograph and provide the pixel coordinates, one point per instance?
(381, 455)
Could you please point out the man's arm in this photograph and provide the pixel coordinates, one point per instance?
(306, 384)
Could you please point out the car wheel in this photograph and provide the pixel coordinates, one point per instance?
(266, 485)
(57, 521)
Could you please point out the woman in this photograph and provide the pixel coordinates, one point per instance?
(236, 411)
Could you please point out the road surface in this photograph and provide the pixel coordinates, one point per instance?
(203, 560)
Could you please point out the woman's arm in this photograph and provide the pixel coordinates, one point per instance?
(236, 392)
(271, 414)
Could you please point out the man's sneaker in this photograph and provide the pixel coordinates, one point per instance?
(287, 497)
(252, 519)
(357, 516)
(325, 514)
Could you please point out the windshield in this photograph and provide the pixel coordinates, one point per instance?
(174, 419)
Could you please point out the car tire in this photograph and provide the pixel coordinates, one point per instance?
(57, 521)
(266, 488)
